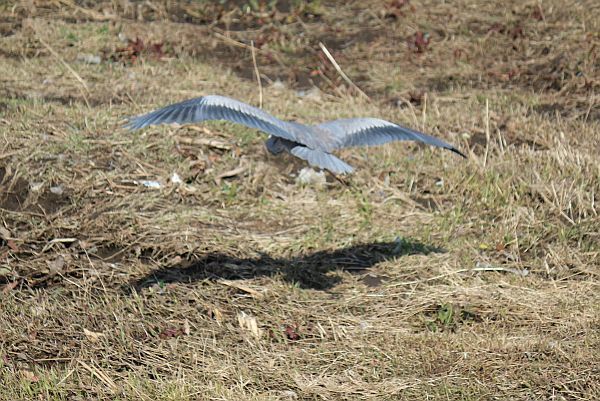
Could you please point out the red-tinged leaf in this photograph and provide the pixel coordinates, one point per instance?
(497, 28)
(171, 332)
(157, 49)
(517, 32)
(12, 245)
(538, 13)
(419, 42)
(137, 45)
(291, 333)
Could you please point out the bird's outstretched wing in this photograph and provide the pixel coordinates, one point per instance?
(323, 160)
(373, 131)
(215, 107)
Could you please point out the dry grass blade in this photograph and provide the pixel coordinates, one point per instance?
(85, 91)
(341, 72)
(258, 80)
(127, 272)
(100, 375)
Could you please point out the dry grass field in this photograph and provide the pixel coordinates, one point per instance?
(185, 263)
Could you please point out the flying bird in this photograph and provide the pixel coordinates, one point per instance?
(313, 143)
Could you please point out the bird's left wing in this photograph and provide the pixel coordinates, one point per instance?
(215, 107)
(371, 132)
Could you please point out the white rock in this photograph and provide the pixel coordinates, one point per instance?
(176, 179)
(308, 176)
(57, 190)
(89, 59)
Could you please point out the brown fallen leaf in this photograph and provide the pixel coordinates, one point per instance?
(4, 233)
(29, 375)
(171, 332)
(12, 245)
(56, 265)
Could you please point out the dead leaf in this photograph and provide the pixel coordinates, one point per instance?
(12, 245)
(249, 323)
(29, 375)
(171, 332)
(93, 336)
(214, 313)
(56, 265)
(4, 233)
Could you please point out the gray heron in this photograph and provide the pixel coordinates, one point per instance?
(312, 143)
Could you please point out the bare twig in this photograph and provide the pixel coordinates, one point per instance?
(260, 91)
(478, 268)
(69, 68)
(487, 132)
(213, 143)
(342, 73)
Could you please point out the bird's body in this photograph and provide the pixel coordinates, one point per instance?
(313, 143)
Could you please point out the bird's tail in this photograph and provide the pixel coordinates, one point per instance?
(323, 160)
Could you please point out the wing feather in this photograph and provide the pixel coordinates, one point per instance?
(372, 131)
(215, 107)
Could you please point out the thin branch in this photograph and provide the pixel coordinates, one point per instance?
(260, 90)
(68, 67)
(342, 73)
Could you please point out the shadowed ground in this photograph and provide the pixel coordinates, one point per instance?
(307, 271)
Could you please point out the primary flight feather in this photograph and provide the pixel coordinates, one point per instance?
(313, 143)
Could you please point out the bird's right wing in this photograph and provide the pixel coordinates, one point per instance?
(371, 132)
(323, 160)
(215, 107)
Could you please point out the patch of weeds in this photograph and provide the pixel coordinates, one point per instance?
(365, 208)
(230, 190)
(244, 136)
(103, 30)
(71, 38)
(329, 231)
(447, 317)
(75, 143)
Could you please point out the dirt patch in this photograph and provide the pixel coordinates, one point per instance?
(18, 196)
(14, 192)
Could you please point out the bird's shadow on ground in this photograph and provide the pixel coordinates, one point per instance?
(306, 270)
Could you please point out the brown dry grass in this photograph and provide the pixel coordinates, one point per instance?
(430, 277)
